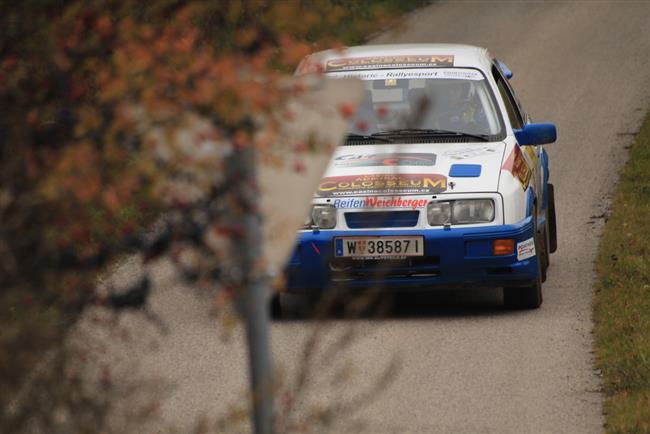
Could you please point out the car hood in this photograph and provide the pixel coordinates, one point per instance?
(409, 169)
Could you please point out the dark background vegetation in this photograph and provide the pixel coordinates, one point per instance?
(74, 191)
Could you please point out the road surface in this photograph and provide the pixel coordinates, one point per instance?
(464, 363)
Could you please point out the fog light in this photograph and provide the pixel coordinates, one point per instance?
(503, 247)
(324, 216)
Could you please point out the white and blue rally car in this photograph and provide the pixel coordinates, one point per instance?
(440, 183)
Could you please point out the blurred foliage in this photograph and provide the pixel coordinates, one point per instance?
(93, 96)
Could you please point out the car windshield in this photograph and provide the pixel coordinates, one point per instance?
(433, 101)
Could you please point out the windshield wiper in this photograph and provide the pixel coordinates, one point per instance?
(433, 132)
(353, 136)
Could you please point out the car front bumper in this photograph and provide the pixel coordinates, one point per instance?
(453, 258)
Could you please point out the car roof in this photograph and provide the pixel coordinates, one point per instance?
(466, 56)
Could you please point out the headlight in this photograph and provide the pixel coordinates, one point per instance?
(472, 211)
(324, 216)
(460, 212)
(439, 213)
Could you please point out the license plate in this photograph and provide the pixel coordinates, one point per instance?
(378, 247)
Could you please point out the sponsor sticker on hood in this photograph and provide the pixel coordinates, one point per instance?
(386, 159)
(472, 152)
(382, 183)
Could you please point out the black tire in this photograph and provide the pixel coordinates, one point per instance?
(552, 220)
(276, 308)
(545, 255)
(529, 296)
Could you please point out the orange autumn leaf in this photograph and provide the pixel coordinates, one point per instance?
(111, 199)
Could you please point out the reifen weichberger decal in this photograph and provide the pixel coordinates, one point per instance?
(379, 202)
(382, 183)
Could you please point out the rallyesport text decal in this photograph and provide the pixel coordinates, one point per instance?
(386, 159)
(380, 202)
(415, 61)
(430, 73)
(358, 185)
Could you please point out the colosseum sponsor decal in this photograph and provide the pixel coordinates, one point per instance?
(382, 184)
(386, 159)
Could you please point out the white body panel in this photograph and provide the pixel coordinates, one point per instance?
(509, 173)
(488, 155)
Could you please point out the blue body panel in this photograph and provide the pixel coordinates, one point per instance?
(456, 257)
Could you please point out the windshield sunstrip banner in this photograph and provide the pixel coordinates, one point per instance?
(382, 184)
(414, 61)
(445, 73)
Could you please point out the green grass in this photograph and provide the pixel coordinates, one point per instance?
(622, 296)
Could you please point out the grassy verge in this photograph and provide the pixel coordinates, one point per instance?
(360, 19)
(622, 297)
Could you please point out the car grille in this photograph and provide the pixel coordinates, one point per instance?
(343, 269)
(382, 219)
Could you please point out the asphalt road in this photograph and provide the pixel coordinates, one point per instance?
(464, 363)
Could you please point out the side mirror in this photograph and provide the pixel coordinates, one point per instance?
(536, 134)
(507, 73)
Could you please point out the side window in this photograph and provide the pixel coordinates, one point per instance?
(508, 99)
